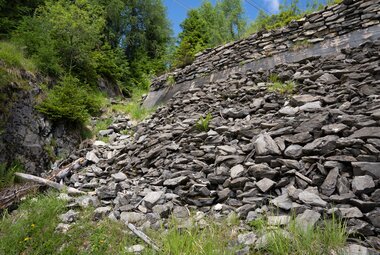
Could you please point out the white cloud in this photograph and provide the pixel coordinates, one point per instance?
(273, 5)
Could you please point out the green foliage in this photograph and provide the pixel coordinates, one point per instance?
(170, 80)
(72, 101)
(12, 57)
(209, 26)
(329, 236)
(278, 86)
(102, 124)
(7, 177)
(203, 123)
(31, 230)
(13, 11)
(211, 239)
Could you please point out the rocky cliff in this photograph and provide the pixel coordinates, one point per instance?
(26, 135)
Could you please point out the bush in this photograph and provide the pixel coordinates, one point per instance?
(71, 101)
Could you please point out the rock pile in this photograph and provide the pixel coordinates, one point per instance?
(314, 152)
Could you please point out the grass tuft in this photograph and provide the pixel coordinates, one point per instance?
(276, 85)
(7, 174)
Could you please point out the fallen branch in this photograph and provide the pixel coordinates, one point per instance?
(143, 236)
(58, 186)
(72, 166)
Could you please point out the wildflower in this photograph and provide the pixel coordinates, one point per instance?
(27, 239)
(33, 225)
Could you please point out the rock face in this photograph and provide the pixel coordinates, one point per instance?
(314, 162)
(26, 135)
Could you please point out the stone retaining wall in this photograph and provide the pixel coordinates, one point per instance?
(316, 29)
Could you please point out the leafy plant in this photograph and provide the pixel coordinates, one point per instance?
(170, 81)
(203, 123)
(278, 86)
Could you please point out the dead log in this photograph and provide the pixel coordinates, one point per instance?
(58, 186)
(143, 236)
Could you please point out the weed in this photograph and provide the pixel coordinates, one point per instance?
(300, 45)
(170, 81)
(278, 86)
(203, 123)
(7, 174)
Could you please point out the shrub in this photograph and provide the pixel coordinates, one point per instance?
(71, 101)
(203, 123)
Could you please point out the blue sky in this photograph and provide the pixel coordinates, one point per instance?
(177, 9)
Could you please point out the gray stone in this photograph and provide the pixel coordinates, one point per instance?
(69, 217)
(152, 198)
(265, 145)
(356, 249)
(132, 217)
(298, 100)
(138, 248)
(327, 79)
(370, 168)
(311, 107)
(311, 199)
(334, 128)
(119, 177)
(282, 202)
(322, 145)
(363, 184)
(101, 212)
(348, 213)
(374, 217)
(265, 184)
(293, 151)
(308, 219)
(260, 171)
(237, 171)
(91, 156)
(288, 110)
(366, 132)
(328, 186)
(106, 132)
(247, 238)
(176, 181)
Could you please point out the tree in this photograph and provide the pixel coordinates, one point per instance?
(13, 11)
(195, 37)
(233, 12)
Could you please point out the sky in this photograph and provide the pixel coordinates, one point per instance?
(177, 9)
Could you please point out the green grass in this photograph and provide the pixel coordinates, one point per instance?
(275, 85)
(31, 230)
(12, 56)
(102, 124)
(202, 124)
(7, 177)
(211, 239)
(133, 108)
(330, 235)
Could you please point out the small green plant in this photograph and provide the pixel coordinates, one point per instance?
(102, 124)
(7, 174)
(278, 86)
(170, 81)
(300, 45)
(203, 123)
